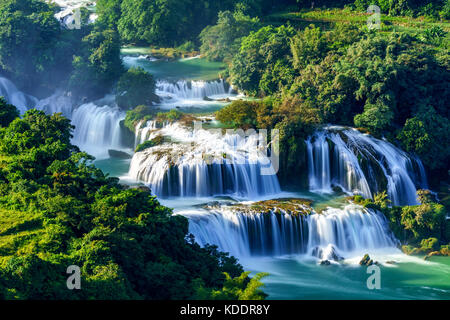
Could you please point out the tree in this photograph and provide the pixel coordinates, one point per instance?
(264, 54)
(428, 135)
(240, 114)
(8, 113)
(308, 47)
(98, 66)
(28, 37)
(135, 87)
(167, 22)
(222, 41)
(59, 210)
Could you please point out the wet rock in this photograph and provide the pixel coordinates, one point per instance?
(325, 263)
(291, 206)
(366, 261)
(118, 154)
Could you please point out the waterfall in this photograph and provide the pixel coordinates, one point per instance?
(97, 128)
(361, 164)
(205, 163)
(22, 101)
(190, 89)
(143, 131)
(57, 103)
(331, 234)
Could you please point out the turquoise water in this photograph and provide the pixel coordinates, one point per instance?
(182, 69)
(299, 277)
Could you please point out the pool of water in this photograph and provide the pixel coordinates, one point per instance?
(181, 69)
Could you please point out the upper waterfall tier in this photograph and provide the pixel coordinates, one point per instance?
(361, 164)
(191, 89)
(22, 101)
(187, 93)
(204, 163)
(332, 234)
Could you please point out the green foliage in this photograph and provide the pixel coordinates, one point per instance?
(99, 65)
(135, 87)
(428, 135)
(57, 210)
(308, 47)
(252, 69)
(33, 46)
(434, 35)
(8, 113)
(171, 116)
(109, 12)
(430, 244)
(140, 113)
(413, 224)
(165, 22)
(188, 46)
(222, 41)
(430, 8)
(239, 114)
(149, 144)
(238, 288)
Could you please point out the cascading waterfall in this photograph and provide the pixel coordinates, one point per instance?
(204, 163)
(144, 130)
(328, 235)
(59, 102)
(361, 164)
(14, 96)
(190, 89)
(97, 128)
(97, 125)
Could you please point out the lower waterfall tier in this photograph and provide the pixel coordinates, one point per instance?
(332, 234)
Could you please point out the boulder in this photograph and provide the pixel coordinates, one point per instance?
(325, 263)
(366, 261)
(118, 154)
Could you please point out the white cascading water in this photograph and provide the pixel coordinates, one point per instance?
(191, 93)
(97, 125)
(97, 128)
(190, 89)
(328, 235)
(56, 103)
(14, 96)
(143, 131)
(204, 163)
(361, 164)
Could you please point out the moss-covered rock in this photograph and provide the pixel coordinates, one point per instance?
(158, 140)
(367, 261)
(291, 206)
